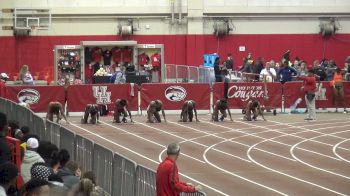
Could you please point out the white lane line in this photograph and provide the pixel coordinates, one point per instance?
(274, 130)
(284, 174)
(310, 165)
(151, 160)
(189, 140)
(234, 174)
(147, 140)
(335, 150)
(236, 142)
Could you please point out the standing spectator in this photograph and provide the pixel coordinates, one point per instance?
(70, 174)
(338, 91)
(310, 90)
(36, 187)
(258, 67)
(30, 157)
(64, 157)
(319, 70)
(3, 78)
(5, 152)
(90, 175)
(347, 68)
(40, 170)
(331, 70)
(217, 70)
(25, 76)
(168, 182)
(85, 188)
(8, 176)
(230, 63)
(268, 74)
(273, 65)
(286, 73)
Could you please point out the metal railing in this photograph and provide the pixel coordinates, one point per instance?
(188, 74)
(115, 174)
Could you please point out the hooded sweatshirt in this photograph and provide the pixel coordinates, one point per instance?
(68, 177)
(30, 157)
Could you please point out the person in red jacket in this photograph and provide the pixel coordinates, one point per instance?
(309, 89)
(168, 183)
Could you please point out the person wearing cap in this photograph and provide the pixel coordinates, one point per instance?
(309, 89)
(30, 157)
(8, 176)
(3, 78)
(167, 177)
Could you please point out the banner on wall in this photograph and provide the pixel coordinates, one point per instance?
(240, 93)
(38, 97)
(324, 94)
(173, 95)
(80, 95)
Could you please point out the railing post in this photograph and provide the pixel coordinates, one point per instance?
(198, 74)
(176, 74)
(188, 74)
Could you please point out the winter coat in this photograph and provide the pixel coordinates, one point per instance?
(30, 157)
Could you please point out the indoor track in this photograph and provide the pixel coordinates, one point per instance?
(282, 156)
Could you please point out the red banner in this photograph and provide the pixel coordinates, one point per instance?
(80, 95)
(174, 95)
(37, 96)
(324, 94)
(240, 93)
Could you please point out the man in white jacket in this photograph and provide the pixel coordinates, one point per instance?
(30, 157)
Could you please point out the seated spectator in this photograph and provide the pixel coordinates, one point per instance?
(5, 151)
(8, 176)
(36, 187)
(268, 74)
(41, 171)
(25, 76)
(3, 78)
(70, 174)
(30, 157)
(286, 73)
(319, 70)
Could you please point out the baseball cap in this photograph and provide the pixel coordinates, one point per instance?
(32, 143)
(4, 75)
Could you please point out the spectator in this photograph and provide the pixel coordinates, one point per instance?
(3, 78)
(85, 188)
(70, 174)
(8, 176)
(5, 151)
(258, 67)
(56, 186)
(26, 134)
(64, 157)
(36, 187)
(302, 69)
(273, 65)
(167, 182)
(286, 58)
(268, 74)
(46, 149)
(25, 76)
(347, 68)
(54, 162)
(13, 127)
(310, 90)
(319, 70)
(217, 70)
(90, 175)
(286, 73)
(331, 69)
(229, 63)
(30, 157)
(40, 170)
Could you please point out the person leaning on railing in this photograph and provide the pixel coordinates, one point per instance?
(168, 183)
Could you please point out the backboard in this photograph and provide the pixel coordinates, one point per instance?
(29, 18)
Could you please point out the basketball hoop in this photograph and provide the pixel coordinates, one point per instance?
(33, 29)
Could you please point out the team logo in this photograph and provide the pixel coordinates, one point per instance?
(101, 94)
(29, 96)
(246, 92)
(175, 93)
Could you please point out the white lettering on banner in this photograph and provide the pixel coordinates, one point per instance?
(245, 92)
(321, 92)
(101, 94)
